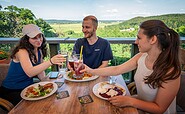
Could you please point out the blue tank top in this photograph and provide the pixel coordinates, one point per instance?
(16, 77)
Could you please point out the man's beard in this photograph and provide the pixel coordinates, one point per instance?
(90, 34)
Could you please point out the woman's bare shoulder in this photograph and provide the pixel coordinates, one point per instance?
(138, 55)
(22, 53)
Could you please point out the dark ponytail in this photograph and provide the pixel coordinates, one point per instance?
(167, 65)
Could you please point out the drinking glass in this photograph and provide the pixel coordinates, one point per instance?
(112, 79)
(71, 60)
(78, 65)
(63, 68)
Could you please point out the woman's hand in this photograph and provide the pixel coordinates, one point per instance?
(57, 59)
(121, 101)
(69, 67)
(86, 69)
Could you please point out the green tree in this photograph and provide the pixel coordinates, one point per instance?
(13, 18)
(181, 30)
(46, 28)
(7, 22)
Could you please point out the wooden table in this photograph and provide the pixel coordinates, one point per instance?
(71, 104)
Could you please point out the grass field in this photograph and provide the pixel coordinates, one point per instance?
(77, 27)
(66, 27)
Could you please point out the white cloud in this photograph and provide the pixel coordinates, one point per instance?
(139, 1)
(101, 6)
(5, 1)
(112, 11)
(141, 13)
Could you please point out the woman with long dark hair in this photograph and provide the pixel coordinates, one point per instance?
(27, 62)
(158, 71)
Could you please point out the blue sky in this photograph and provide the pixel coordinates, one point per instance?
(102, 9)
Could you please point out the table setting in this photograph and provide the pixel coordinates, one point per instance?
(74, 92)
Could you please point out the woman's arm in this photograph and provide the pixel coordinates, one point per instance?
(115, 70)
(104, 64)
(23, 57)
(42, 75)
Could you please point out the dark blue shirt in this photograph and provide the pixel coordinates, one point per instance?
(16, 77)
(93, 55)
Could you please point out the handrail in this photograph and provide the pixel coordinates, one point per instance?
(56, 40)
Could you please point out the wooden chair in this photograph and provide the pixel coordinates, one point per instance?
(3, 71)
(182, 58)
(132, 88)
(181, 94)
(5, 105)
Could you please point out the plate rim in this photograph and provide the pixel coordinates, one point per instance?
(85, 80)
(39, 98)
(97, 94)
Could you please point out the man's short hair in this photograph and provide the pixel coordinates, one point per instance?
(93, 18)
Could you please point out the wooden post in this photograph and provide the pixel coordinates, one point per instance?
(134, 51)
(53, 51)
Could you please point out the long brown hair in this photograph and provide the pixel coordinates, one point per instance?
(167, 65)
(25, 44)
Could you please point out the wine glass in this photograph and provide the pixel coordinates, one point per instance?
(63, 68)
(112, 79)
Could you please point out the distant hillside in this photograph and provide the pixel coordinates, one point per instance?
(116, 28)
(52, 21)
(172, 20)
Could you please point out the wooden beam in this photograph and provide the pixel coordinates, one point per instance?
(53, 51)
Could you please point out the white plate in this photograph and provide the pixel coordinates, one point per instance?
(36, 85)
(84, 80)
(95, 89)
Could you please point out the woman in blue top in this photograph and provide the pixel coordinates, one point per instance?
(27, 62)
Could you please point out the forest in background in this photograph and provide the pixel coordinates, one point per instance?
(117, 28)
(13, 18)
